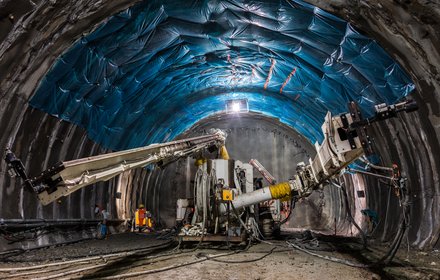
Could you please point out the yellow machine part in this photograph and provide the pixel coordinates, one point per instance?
(200, 161)
(280, 191)
(224, 153)
(227, 195)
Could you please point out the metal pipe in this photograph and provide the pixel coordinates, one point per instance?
(364, 160)
(252, 198)
(278, 191)
(248, 199)
(369, 173)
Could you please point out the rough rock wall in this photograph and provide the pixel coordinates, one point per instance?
(41, 141)
(34, 34)
(410, 32)
(278, 147)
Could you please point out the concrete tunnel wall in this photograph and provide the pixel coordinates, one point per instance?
(408, 30)
(279, 148)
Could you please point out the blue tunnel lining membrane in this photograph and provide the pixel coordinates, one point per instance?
(152, 71)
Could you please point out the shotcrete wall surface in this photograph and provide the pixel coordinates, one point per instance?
(278, 147)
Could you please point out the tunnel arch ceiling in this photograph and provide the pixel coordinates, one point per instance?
(152, 71)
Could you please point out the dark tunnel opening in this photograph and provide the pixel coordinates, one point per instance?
(56, 107)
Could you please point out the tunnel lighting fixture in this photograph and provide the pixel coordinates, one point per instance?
(234, 106)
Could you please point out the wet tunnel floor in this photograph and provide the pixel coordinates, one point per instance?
(159, 259)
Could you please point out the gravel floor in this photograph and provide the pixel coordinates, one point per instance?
(255, 263)
(113, 243)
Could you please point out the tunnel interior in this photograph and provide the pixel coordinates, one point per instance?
(97, 79)
(152, 71)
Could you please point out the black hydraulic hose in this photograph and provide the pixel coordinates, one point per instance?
(292, 206)
(238, 217)
(350, 216)
(387, 258)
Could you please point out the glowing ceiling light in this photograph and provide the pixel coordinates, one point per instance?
(234, 106)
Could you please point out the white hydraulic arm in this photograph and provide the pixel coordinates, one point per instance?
(69, 176)
(345, 140)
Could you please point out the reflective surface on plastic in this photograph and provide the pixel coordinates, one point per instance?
(152, 71)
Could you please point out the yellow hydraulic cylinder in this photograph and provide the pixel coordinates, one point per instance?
(280, 191)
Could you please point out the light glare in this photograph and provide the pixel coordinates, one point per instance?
(236, 107)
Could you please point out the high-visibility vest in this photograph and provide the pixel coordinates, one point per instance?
(140, 217)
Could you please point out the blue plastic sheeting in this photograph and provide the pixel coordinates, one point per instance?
(152, 71)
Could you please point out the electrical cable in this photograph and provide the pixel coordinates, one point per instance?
(349, 213)
(331, 148)
(333, 259)
(201, 257)
(405, 202)
(238, 217)
(126, 253)
(292, 206)
(167, 268)
(388, 257)
(119, 258)
(245, 261)
(257, 229)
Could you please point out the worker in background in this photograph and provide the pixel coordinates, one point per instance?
(105, 216)
(103, 229)
(143, 219)
(140, 221)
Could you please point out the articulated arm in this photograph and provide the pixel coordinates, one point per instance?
(345, 140)
(69, 176)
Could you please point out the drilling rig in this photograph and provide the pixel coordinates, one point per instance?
(225, 202)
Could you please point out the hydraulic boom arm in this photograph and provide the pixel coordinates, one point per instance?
(69, 176)
(345, 140)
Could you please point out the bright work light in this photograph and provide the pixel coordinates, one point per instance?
(234, 106)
